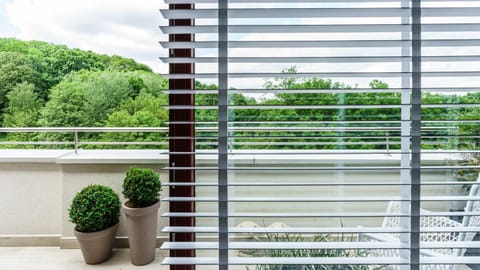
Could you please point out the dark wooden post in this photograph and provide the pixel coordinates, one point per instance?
(182, 139)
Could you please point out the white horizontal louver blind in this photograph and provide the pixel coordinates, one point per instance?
(332, 134)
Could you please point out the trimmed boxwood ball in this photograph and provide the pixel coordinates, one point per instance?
(141, 187)
(95, 208)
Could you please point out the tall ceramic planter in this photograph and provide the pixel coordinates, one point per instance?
(97, 246)
(142, 232)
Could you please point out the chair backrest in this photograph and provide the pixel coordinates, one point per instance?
(473, 205)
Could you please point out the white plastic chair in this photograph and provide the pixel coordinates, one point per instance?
(430, 221)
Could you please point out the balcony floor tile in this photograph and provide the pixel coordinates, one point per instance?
(53, 258)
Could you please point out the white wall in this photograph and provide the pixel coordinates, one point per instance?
(31, 199)
(36, 188)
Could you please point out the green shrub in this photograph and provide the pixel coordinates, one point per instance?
(304, 253)
(469, 174)
(95, 208)
(141, 187)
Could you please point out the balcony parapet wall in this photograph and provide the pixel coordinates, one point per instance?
(37, 186)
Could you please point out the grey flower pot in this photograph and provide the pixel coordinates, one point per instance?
(97, 246)
(142, 232)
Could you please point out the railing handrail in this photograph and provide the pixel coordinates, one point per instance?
(206, 129)
(84, 129)
(75, 130)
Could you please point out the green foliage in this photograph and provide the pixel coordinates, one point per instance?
(23, 106)
(143, 111)
(305, 253)
(14, 69)
(52, 62)
(67, 106)
(22, 111)
(95, 208)
(284, 83)
(105, 91)
(376, 84)
(471, 159)
(119, 63)
(86, 98)
(142, 187)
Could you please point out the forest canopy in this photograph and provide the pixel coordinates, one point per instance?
(48, 85)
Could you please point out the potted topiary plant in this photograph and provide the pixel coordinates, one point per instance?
(95, 211)
(141, 188)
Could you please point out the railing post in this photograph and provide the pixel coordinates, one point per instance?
(75, 141)
(387, 141)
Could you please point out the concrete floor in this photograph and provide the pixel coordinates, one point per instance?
(53, 258)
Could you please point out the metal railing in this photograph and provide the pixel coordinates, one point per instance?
(76, 130)
(387, 136)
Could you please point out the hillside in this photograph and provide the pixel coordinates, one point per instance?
(48, 85)
(43, 84)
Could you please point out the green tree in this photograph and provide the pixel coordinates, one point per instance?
(22, 111)
(145, 110)
(67, 106)
(105, 91)
(14, 69)
(52, 62)
(377, 84)
(86, 98)
(124, 64)
(23, 106)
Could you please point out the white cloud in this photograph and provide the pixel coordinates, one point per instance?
(129, 28)
(125, 27)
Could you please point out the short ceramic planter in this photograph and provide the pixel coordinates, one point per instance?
(142, 232)
(97, 246)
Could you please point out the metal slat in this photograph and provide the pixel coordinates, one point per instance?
(286, 260)
(318, 245)
(320, 107)
(290, 199)
(394, 168)
(322, 44)
(291, 215)
(347, 28)
(296, 1)
(338, 91)
(338, 59)
(323, 260)
(294, 44)
(310, 184)
(272, 13)
(308, 28)
(289, 230)
(281, 1)
(318, 215)
(324, 199)
(325, 74)
(285, 245)
(316, 230)
(294, 13)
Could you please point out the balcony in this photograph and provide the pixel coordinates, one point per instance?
(46, 181)
(302, 135)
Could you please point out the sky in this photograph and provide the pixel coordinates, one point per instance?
(127, 28)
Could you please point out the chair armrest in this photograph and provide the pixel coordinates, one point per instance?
(386, 238)
(383, 237)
